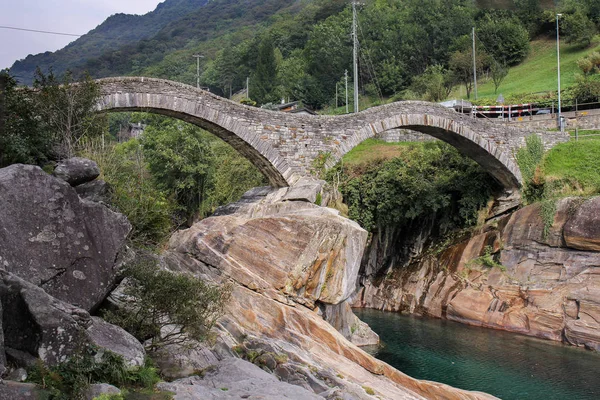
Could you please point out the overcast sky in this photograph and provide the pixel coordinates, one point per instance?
(68, 16)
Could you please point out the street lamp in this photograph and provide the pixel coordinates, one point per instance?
(558, 60)
(198, 57)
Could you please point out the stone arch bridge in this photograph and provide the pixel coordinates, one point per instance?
(284, 146)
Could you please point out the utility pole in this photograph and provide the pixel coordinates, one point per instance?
(3, 86)
(355, 56)
(248, 87)
(474, 65)
(560, 125)
(198, 57)
(336, 95)
(346, 78)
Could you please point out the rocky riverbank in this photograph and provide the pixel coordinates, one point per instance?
(288, 330)
(509, 275)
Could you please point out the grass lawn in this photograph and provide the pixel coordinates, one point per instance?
(376, 149)
(576, 160)
(538, 72)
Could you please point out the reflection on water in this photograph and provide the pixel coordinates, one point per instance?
(507, 365)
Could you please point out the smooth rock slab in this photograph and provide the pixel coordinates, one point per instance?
(235, 378)
(53, 239)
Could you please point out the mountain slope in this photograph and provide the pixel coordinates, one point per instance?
(215, 19)
(118, 30)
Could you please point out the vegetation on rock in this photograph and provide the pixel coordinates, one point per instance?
(69, 380)
(169, 308)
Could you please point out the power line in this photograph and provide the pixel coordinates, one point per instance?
(37, 31)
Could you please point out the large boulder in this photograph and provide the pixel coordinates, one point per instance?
(297, 249)
(98, 389)
(76, 171)
(115, 339)
(290, 263)
(53, 239)
(38, 324)
(16, 391)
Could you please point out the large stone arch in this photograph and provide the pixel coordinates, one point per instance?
(202, 109)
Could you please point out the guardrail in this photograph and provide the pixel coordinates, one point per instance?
(584, 136)
(531, 110)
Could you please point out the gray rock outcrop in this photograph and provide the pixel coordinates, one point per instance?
(38, 324)
(55, 240)
(77, 170)
(97, 191)
(234, 378)
(16, 391)
(98, 389)
(285, 260)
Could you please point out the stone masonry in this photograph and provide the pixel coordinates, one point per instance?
(284, 146)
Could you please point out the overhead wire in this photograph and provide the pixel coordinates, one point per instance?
(369, 63)
(39, 31)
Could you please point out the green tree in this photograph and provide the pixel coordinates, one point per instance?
(181, 161)
(435, 84)
(264, 79)
(226, 68)
(22, 139)
(578, 29)
(170, 309)
(505, 39)
(426, 180)
(498, 72)
(461, 65)
(67, 110)
(134, 191)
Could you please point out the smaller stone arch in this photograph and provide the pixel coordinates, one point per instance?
(461, 132)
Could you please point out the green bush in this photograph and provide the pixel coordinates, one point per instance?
(426, 179)
(69, 380)
(170, 308)
(529, 159)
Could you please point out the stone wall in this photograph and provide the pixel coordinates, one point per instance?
(589, 119)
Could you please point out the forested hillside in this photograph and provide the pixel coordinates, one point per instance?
(300, 50)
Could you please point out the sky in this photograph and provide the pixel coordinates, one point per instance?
(67, 16)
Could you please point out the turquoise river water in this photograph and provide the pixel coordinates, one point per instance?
(507, 365)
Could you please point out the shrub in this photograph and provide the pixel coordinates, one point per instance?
(529, 159)
(69, 380)
(171, 308)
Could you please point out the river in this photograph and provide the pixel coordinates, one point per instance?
(507, 365)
